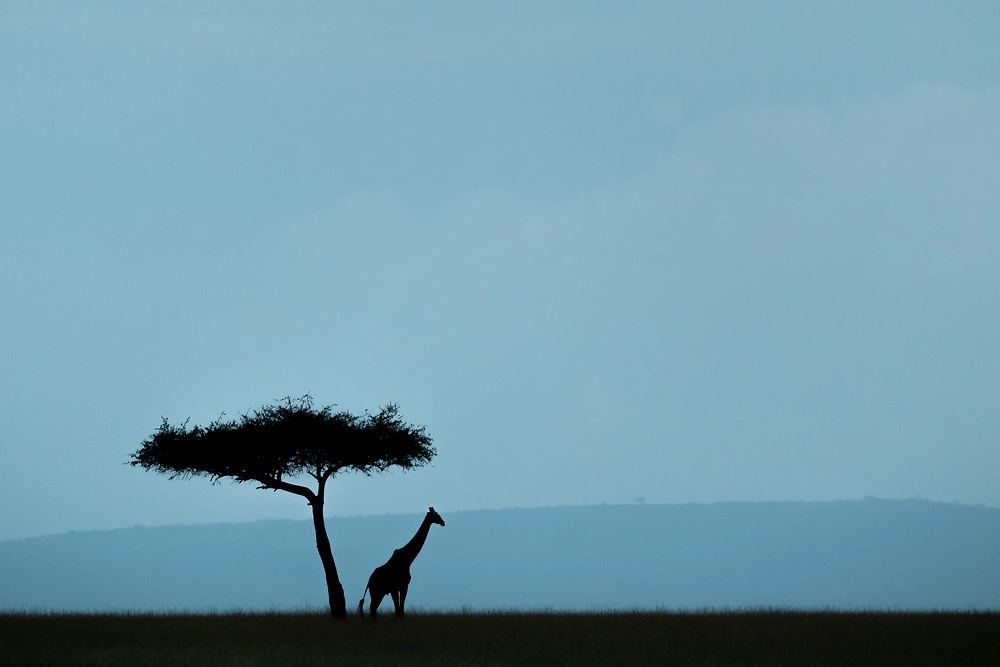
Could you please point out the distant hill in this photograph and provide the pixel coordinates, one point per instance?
(911, 554)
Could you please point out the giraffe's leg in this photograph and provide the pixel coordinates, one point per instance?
(376, 601)
(395, 602)
(402, 598)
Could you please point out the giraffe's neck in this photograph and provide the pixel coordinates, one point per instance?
(410, 550)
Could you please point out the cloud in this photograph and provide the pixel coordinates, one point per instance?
(728, 38)
(754, 200)
(801, 280)
(792, 301)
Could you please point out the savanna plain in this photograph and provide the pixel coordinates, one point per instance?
(739, 637)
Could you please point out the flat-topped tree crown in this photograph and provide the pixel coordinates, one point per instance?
(277, 443)
(286, 440)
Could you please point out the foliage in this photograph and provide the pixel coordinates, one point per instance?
(285, 440)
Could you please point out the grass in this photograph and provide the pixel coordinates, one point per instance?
(765, 637)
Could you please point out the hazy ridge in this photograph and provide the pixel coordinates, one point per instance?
(911, 554)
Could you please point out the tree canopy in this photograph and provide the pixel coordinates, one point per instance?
(278, 442)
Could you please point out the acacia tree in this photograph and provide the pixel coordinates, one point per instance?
(281, 442)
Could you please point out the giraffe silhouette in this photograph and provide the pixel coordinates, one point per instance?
(393, 577)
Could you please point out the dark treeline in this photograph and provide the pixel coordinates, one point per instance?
(879, 554)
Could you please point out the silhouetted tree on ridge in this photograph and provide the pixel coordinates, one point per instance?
(283, 441)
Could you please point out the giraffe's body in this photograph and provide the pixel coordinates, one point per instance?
(393, 577)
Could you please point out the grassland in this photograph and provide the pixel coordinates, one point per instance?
(766, 637)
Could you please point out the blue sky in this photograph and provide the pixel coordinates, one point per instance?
(683, 251)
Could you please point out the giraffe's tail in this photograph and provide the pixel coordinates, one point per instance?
(361, 605)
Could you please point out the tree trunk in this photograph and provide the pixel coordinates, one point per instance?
(338, 605)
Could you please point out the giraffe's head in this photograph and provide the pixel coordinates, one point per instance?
(434, 517)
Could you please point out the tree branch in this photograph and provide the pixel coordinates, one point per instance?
(273, 483)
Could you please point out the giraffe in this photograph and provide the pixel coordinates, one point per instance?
(393, 577)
